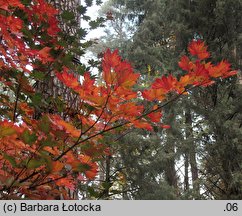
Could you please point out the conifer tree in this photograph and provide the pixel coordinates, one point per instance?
(209, 146)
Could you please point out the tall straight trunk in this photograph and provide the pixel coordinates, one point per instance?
(170, 170)
(170, 173)
(194, 171)
(192, 153)
(105, 178)
(186, 166)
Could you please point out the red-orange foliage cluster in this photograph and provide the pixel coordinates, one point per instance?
(37, 155)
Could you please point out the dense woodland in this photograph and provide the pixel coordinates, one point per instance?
(165, 123)
(199, 157)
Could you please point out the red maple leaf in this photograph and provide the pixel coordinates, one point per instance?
(111, 59)
(43, 10)
(44, 55)
(63, 125)
(166, 83)
(5, 4)
(53, 28)
(185, 63)
(223, 69)
(15, 24)
(93, 168)
(142, 124)
(130, 109)
(155, 116)
(198, 48)
(154, 94)
(88, 82)
(68, 79)
(125, 75)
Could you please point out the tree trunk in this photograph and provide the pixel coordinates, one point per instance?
(192, 153)
(186, 166)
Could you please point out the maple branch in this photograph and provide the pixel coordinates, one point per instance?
(88, 138)
(16, 178)
(38, 181)
(105, 105)
(23, 170)
(114, 127)
(47, 182)
(124, 134)
(118, 170)
(78, 142)
(170, 101)
(163, 105)
(30, 176)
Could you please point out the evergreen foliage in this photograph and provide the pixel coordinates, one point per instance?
(202, 151)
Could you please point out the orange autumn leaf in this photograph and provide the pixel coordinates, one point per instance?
(61, 124)
(185, 63)
(44, 55)
(68, 79)
(223, 69)
(93, 168)
(91, 174)
(129, 109)
(15, 24)
(6, 4)
(200, 75)
(198, 48)
(110, 60)
(67, 182)
(154, 94)
(167, 84)
(25, 108)
(155, 116)
(125, 75)
(230, 73)
(117, 72)
(7, 128)
(185, 80)
(125, 93)
(53, 29)
(142, 124)
(57, 166)
(51, 150)
(96, 101)
(70, 129)
(88, 82)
